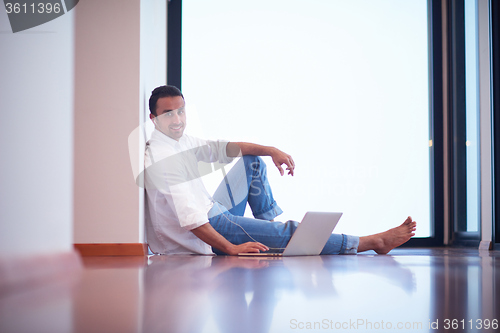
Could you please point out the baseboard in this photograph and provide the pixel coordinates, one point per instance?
(24, 272)
(112, 249)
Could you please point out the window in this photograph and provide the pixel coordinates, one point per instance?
(343, 86)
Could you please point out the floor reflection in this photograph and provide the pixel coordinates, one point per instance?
(241, 294)
(414, 290)
(465, 291)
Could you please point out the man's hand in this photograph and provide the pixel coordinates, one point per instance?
(210, 236)
(250, 247)
(280, 158)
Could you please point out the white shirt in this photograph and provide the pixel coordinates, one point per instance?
(177, 200)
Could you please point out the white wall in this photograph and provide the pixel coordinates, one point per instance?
(36, 138)
(71, 91)
(153, 66)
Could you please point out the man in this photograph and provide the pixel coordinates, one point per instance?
(183, 218)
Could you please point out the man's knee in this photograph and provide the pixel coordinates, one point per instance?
(254, 162)
(252, 158)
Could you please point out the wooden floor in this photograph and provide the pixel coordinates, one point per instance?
(410, 290)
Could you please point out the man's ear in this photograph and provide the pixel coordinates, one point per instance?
(153, 119)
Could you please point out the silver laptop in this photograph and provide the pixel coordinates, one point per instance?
(309, 238)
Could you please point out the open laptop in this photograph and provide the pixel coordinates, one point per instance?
(309, 238)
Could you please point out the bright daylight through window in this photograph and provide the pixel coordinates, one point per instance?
(342, 86)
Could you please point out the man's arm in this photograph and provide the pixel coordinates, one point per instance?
(210, 236)
(234, 149)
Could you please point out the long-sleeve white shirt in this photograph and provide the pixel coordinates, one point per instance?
(177, 200)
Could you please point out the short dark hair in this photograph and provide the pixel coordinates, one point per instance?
(162, 91)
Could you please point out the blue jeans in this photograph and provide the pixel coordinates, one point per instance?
(247, 183)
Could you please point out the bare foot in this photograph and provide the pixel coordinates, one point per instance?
(385, 241)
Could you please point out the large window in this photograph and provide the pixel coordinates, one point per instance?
(342, 86)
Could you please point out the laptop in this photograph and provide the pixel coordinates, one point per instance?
(309, 238)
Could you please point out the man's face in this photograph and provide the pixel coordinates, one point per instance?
(171, 116)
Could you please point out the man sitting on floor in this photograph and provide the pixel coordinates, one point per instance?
(183, 218)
